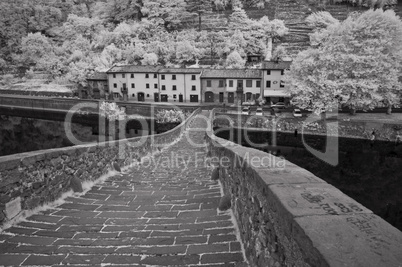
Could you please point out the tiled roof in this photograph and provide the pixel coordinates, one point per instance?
(273, 65)
(180, 70)
(98, 76)
(231, 73)
(134, 69)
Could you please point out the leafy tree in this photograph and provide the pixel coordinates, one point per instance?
(186, 52)
(357, 65)
(321, 20)
(198, 8)
(150, 59)
(238, 20)
(86, 27)
(168, 13)
(117, 11)
(235, 61)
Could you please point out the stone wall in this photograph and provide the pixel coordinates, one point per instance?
(289, 217)
(34, 178)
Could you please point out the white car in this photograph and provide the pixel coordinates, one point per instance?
(245, 111)
(259, 112)
(297, 113)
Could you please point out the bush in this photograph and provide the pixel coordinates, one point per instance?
(8, 78)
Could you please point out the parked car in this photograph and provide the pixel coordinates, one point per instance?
(245, 111)
(259, 112)
(279, 105)
(297, 113)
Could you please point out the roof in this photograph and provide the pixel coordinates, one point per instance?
(273, 65)
(134, 69)
(231, 73)
(98, 76)
(181, 70)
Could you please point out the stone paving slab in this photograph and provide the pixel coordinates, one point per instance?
(150, 215)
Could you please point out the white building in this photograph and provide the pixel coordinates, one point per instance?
(272, 75)
(139, 83)
(180, 84)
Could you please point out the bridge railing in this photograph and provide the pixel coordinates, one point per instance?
(289, 217)
(30, 179)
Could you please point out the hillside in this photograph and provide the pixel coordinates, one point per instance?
(293, 12)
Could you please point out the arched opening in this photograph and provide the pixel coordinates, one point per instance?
(209, 97)
(141, 97)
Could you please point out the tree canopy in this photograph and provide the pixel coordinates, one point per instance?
(356, 64)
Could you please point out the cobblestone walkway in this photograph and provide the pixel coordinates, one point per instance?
(160, 213)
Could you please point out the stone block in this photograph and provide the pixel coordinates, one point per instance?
(348, 240)
(225, 203)
(75, 184)
(13, 208)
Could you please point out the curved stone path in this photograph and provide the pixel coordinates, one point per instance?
(161, 213)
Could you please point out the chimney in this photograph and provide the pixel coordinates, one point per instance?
(268, 56)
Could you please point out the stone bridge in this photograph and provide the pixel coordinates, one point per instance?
(181, 198)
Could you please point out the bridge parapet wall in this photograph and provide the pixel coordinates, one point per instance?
(289, 217)
(30, 179)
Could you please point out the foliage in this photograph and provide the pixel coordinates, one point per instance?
(111, 111)
(357, 65)
(150, 59)
(321, 19)
(235, 61)
(8, 78)
(172, 115)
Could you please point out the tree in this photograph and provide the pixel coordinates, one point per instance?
(321, 20)
(168, 13)
(238, 20)
(150, 59)
(117, 11)
(357, 65)
(235, 61)
(198, 8)
(186, 52)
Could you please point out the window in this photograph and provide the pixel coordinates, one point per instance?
(174, 96)
(147, 85)
(258, 83)
(268, 72)
(133, 95)
(132, 75)
(155, 85)
(114, 75)
(193, 88)
(155, 75)
(115, 85)
(174, 88)
(124, 86)
(249, 83)
(193, 77)
(124, 75)
(268, 84)
(173, 77)
(163, 76)
(132, 85)
(147, 95)
(208, 83)
(221, 82)
(230, 83)
(163, 87)
(282, 72)
(146, 75)
(282, 84)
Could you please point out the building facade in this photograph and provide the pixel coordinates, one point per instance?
(132, 82)
(232, 86)
(180, 85)
(97, 86)
(274, 90)
(195, 85)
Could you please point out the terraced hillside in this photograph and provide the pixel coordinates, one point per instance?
(293, 12)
